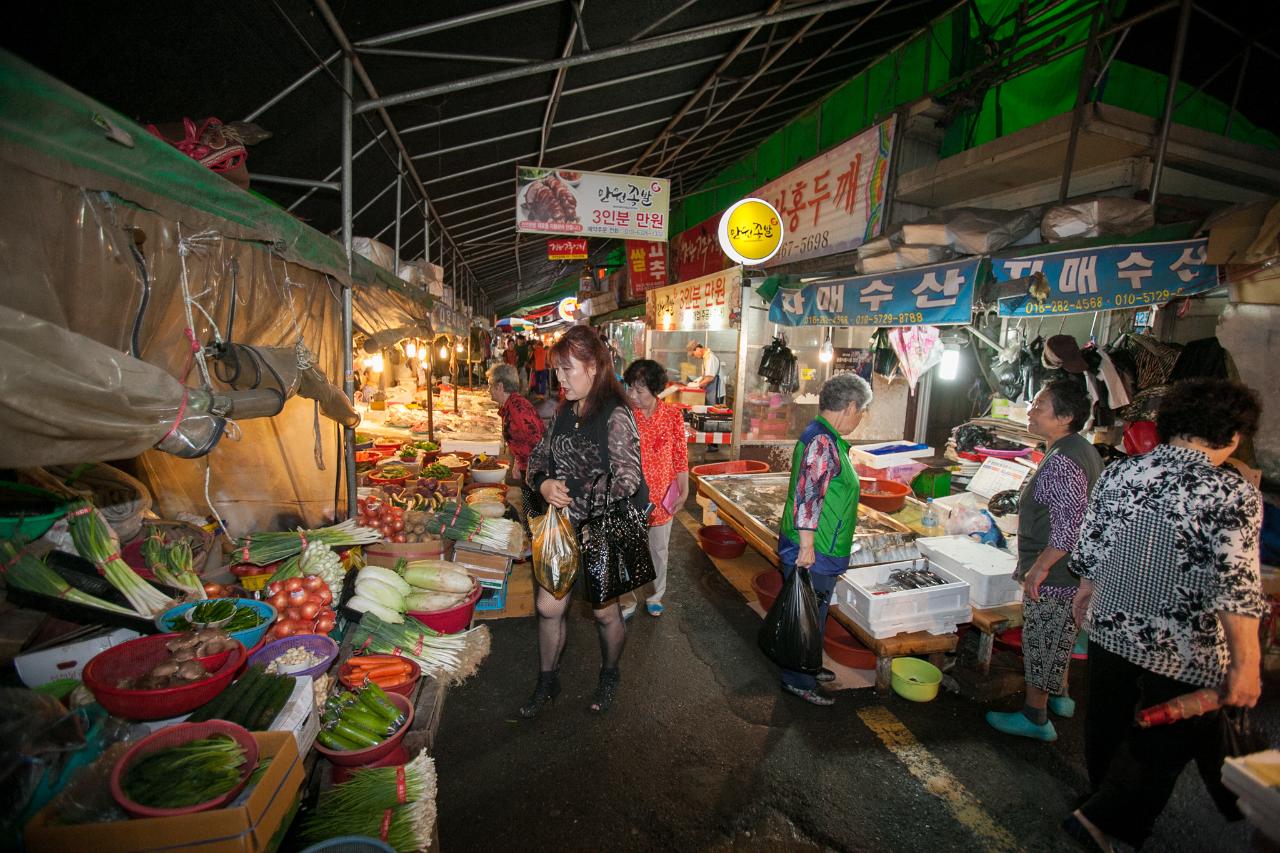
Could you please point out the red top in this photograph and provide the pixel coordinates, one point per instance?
(521, 428)
(509, 355)
(539, 357)
(664, 453)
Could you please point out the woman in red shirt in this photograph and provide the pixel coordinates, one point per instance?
(664, 455)
(521, 427)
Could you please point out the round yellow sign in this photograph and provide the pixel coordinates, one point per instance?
(751, 231)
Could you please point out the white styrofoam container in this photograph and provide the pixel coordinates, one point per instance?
(1253, 778)
(299, 715)
(67, 661)
(862, 455)
(987, 570)
(878, 614)
(931, 623)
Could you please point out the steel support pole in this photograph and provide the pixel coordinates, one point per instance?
(332, 186)
(426, 233)
(435, 54)
(1235, 98)
(1175, 71)
(399, 193)
(450, 23)
(1082, 100)
(290, 89)
(348, 356)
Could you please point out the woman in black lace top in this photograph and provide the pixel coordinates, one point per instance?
(592, 437)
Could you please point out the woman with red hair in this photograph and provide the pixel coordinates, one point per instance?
(590, 454)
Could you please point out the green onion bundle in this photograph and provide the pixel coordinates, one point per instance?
(457, 656)
(462, 523)
(262, 549)
(401, 799)
(185, 775)
(97, 542)
(23, 571)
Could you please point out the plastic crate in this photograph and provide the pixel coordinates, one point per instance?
(493, 599)
(987, 570)
(891, 613)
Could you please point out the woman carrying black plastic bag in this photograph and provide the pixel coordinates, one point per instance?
(822, 509)
(586, 462)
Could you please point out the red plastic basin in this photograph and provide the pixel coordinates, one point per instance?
(721, 540)
(454, 619)
(737, 466)
(883, 495)
(767, 585)
(138, 657)
(366, 757)
(177, 735)
(837, 641)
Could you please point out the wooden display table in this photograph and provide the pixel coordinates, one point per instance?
(932, 646)
(991, 621)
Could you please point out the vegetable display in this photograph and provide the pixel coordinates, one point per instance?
(457, 656)
(485, 462)
(383, 670)
(182, 666)
(172, 564)
(428, 446)
(211, 611)
(461, 522)
(96, 542)
(253, 701)
(271, 547)
(242, 618)
(24, 571)
(422, 586)
(303, 606)
(185, 775)
(359, 719)
(397, 804)
(436, 471)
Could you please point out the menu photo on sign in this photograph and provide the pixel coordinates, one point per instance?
(565, 201)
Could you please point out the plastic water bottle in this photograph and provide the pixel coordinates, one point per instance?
(930, 521)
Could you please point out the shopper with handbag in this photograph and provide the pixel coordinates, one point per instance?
(664, 453)
(1171, 588)
(588, 462)
(821, 512)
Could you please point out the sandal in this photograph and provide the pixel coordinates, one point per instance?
(606, 690)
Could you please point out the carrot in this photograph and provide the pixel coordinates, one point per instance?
(388, 672)
(372, 661)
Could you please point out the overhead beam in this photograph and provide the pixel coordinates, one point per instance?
(292, 87)
(452, 23)
(442, 55)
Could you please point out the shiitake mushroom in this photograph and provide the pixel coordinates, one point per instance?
(191, 671)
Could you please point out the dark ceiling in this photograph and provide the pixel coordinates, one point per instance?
(158, 61)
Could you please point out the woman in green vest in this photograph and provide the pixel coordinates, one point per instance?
(822, 507)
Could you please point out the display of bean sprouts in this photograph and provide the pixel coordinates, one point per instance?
(96, 542)
(24, 571)
(292, 660)
(262, 549)
(457, 656)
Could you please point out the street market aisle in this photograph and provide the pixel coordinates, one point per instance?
(702, 751)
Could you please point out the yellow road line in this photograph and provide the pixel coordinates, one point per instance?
(937, 780)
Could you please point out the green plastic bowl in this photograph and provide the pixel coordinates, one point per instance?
(915, 679)
(30, 526)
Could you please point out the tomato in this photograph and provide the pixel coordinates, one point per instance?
(279, 601)
(293, 583)
(309, 611)
(215, 590)
(313, 583)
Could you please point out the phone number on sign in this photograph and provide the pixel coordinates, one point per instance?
(810, 243)
(1065, 306)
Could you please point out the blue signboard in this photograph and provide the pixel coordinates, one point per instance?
(1107, 277)
(935, 295)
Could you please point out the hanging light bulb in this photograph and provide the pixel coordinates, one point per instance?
(376, 363)
(827, 352)
(410, 349)
(949, 367)
(444, 351)
(458, 346)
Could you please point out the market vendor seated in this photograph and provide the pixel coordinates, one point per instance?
(822, 507)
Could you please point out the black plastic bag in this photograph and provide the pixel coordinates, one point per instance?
(791, 636)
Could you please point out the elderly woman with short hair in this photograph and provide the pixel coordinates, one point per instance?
(521, 427)
(822, 507)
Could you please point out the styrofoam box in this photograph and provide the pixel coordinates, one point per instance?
(862, 454)
(299, 715)
(67, 661)
(931, 623)
(1254, 778)
(987, 570)
(884, 613)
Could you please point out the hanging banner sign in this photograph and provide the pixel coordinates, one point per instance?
(1107, 277)
(646, 267)
(448, 320)
(567, 249)
(567, 310)
(750, 231)
(696, 251)
(710, 302)
(935, 295)
(834, 202)
(561, 201)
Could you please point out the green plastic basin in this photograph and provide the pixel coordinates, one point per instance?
(29, 526)
(915, 679)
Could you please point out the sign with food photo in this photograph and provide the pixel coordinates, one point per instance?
(563, 201)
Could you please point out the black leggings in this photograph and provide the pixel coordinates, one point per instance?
(552, 615)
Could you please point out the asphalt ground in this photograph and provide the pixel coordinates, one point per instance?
(702, 751)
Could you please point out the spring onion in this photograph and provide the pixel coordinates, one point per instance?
(97, 543)
(185, 775)
(407, 828)
(261, 549)
(455, 655)
(24, 571)
(462, 523)
(363, 802)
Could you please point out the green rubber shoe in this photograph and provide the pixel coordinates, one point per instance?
(1016, 723)
(1062, 706)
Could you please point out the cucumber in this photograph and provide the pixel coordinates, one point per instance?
(369, 703)
(333, 740)
(260, 702)
(383, 700)
(371, 723)
(359, 736)
(245, 703)
(275, 701)
(215, 707)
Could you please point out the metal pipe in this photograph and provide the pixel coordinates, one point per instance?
(1235, 98)
(441, 55)
(426, 232)
(1114, 50)
(1077, 113)
(337, 169)
(644, 46)
(451, 23)
(706, 84)
(291, 88)
(332, 186)
(676, 11)
(549, 115)
(1175, 71)
(399, 193)
(1214, 76)
(348, 357)
(371, 202)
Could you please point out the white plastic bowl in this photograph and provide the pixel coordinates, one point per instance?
(493, 475)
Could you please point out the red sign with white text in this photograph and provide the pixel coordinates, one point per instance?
(646, 267)
(567, 249)
(696, 252)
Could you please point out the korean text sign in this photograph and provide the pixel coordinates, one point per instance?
(934, 295)
(567, 249)
(561, 201)
(1108, 277)
(834, 202)
(711, 302)
(696, 251)
(646, 267)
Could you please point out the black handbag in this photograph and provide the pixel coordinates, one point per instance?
(615, 549)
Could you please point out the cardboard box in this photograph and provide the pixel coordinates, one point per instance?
(298, 717)
(386, 554)
(67, 661)
(248, 825)
(490, 569)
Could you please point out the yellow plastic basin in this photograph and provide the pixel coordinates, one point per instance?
(915, 679)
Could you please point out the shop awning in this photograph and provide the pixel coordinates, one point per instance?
(630, 312)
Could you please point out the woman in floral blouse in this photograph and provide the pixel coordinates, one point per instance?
(521, 427)
(1168, 556)
(664, 453)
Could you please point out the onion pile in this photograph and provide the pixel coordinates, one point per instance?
(303, 606)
